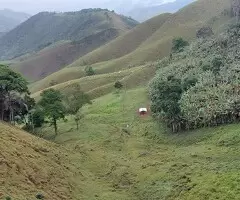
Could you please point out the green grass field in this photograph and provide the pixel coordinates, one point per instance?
(150, 162)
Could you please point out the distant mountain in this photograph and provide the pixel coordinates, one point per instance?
(1, 34)
(10, 19)
(144, 10)
(47, 28)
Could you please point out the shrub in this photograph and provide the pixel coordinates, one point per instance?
(89, 71)
(118, 85)
(204, 32)
(38, 118)
(178, 44)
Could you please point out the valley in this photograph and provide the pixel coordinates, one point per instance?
(74, 130)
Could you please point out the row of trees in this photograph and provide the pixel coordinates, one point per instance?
(54, 106)
(199, 85)
(16, 105)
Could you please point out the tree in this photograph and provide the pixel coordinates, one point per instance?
(178, 44)
(78, 116)
(75, 99)
(165, 96)
(37, 118)
(118, 85)
(12, 89)
(52, 105)
(89, 71)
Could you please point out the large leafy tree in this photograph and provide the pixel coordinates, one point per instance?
(52, 106)
(13, 94)
(165, 95)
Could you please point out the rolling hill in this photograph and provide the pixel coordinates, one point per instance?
(117, 154)
(183, 23)
(53, 58)
(147, 42)
(48, 28)
(10, 19)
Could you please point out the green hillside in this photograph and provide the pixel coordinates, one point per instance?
(185, 148)
(55, 57)
(147, 42)
(183, 23)
(150, 162)
(47, 28)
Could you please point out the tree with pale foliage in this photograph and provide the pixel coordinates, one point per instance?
(74, 100)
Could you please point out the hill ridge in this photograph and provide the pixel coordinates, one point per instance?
(46, 28)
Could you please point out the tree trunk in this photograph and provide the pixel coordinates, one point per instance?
(55, 126)
(2, 113)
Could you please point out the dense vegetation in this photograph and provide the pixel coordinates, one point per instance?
(46, 28)
(15, 101)
(199, 86)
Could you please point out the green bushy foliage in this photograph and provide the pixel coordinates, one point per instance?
(52, 105)
(118, 85)
(178, 44)
(89, 71)
(208, 72)
(38, 118)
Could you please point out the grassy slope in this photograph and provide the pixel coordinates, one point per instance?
(52, 59)
(102, 84)
(184, 23)
(21, 173)
(146, 42)
(29, 165)
(151, 163)
(124, 44)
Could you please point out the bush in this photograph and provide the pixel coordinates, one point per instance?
(89, 71)
(38, 118)
(204, 32)
(118, 85)
(178, 44)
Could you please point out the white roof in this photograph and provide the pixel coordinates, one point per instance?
(143, 110)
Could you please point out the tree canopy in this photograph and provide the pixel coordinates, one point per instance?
(14, 94)
(52, 106)
(199, 86)
(75, 99)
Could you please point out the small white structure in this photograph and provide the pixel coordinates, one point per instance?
(143, 111)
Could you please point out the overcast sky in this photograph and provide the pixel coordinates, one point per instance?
(34, 6)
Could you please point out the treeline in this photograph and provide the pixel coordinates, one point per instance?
(16, 105)
(199, 84)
